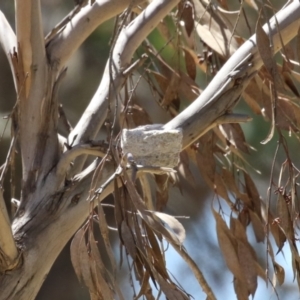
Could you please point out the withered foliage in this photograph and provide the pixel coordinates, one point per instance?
(201, 38)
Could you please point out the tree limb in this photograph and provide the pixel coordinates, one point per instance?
(44, 229)
(206, 109)
(128, 41)
(32, 58)
(66, 42)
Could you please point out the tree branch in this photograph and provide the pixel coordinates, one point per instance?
(128, 41)
(92, 148)
(32, 58)
(207, 108)
(36, 231)
(8, 42)
(66, 42)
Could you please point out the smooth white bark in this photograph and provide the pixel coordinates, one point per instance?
(64, 44)
(203, 112)
(8, 43)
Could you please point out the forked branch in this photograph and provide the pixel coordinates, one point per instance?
(113, 78)
(207, 108)
(69, 39)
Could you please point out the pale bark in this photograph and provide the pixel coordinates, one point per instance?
(63, 45)
(197, 118)
(113, 78)
(8, 250)
(47, 206)
(8, 42)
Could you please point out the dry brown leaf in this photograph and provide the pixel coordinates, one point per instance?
(171, 93)
(279, 273)
(190, 64)
(240, 289)
(77, 242)
(147, 215)
(284, 217)
(247, 265)
(187, 88)
(186, 14)
(238, 230)
(298, 44)
(244, 217)
(170, 290)
(205, 159)
(213, 31)
(258, 227)
(173, 224)
(145, 288)
(128, 240)
(266, 54)
(264, 48)
(220, 189)
(134, 116)
(105, 236)
(250, 96)
(277, 233)
(260, 271)
(139, 238)
(287, 78)
(253, 194)
(79, 252)
(184, 168)
(158, 258)
(228, 246)
(287, 113)
(161, 80)
(99, 272)
(235, 135)
(229, 180)
(193, 55)
(158, 266)
(162, 191)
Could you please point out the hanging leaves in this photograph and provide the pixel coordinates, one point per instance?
(235, 136)
(228, 246)
(89, 268)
